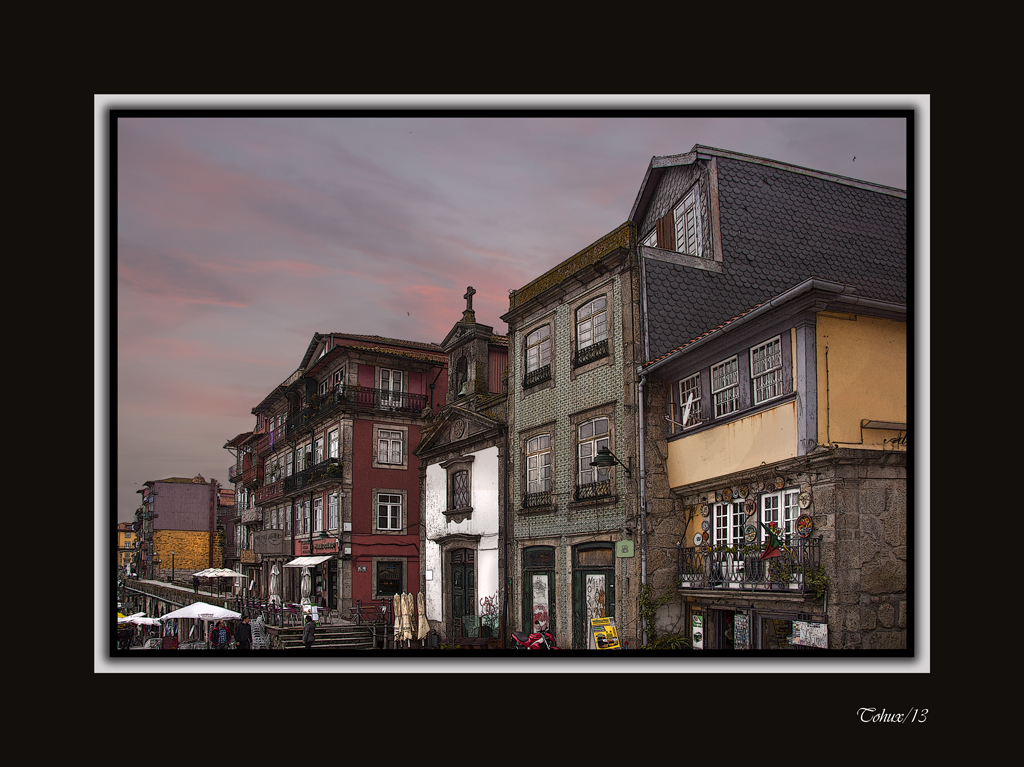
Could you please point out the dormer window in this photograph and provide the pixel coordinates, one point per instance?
(680, 228)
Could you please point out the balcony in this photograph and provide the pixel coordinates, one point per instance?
(271, 439)
(252, 515)
(355, 397)
(592, 491)
(234, 474)
(537, 500)
(270, 492)
(590, 353)
(253, 475)
(537, 376)
(740, 568)
(323, 474)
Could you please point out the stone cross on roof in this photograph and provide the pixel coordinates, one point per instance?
(469, 315)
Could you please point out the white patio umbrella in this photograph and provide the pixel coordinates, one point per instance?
(202, 611)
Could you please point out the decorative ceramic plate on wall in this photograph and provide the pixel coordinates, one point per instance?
(705, 525)
(750, 506)
(744, 491)
(749, 533)
(705, 510)
(727, 494)
(779, 483)
(804, 525)
(698, 539)
(804, 499)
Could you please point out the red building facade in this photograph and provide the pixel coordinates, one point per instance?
(328, 480)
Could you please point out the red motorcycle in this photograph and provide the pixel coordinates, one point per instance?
(538, 640)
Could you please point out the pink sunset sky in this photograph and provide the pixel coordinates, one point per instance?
(235, 238)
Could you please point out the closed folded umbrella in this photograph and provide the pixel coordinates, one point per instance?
(424, 627)
(396, 603)
(408, 613)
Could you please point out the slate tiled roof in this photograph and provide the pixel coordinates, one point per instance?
(779, 228)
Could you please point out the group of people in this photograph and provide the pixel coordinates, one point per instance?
(248, 635)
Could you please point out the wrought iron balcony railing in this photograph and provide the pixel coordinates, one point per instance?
(359, 397)
(537, 376)
(535, 500)
(593, 490)
(590, 353)
(329, 471)
(740, 567)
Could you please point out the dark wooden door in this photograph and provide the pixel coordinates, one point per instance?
(463, 588)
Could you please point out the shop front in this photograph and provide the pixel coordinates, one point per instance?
(718, 626)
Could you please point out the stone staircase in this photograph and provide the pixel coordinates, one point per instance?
(339, 636)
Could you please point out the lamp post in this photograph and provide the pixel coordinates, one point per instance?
(606, 458)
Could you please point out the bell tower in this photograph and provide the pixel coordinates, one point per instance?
(467, 349)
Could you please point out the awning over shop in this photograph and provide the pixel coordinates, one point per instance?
(308, 561)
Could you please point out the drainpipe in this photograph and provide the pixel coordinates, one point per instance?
(643, 498)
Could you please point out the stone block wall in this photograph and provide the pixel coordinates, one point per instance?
(191, 549)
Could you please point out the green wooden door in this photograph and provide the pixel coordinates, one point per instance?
(593, 589)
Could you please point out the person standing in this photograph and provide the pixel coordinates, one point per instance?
(220, 636)
(309, 632)
(243, 635)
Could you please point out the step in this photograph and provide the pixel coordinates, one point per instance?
(340, 637)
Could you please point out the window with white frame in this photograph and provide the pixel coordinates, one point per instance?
(689, 401)
(728, 523)
(687, 227)
(651, 240)
(592, 323)
(338, 379)
(288, 464)
(318, 514)
(538, 349)
(592, 436)
(766, 370)
(318, 451)
(332, 511)
(538, 464)
(302, 517)
(725, 386)
(389, 511)
(389, 446)
(390, 387)
(332, 444)
(325, 387)
(782, 508)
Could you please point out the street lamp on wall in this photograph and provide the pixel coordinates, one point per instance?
(605, 458)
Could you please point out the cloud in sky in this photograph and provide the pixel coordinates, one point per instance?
(237, 238)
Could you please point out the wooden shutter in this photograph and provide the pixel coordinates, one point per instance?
(666, 228)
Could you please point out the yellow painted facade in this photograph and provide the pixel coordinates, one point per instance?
(862, 382)
(767, 436)
(862, 378)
